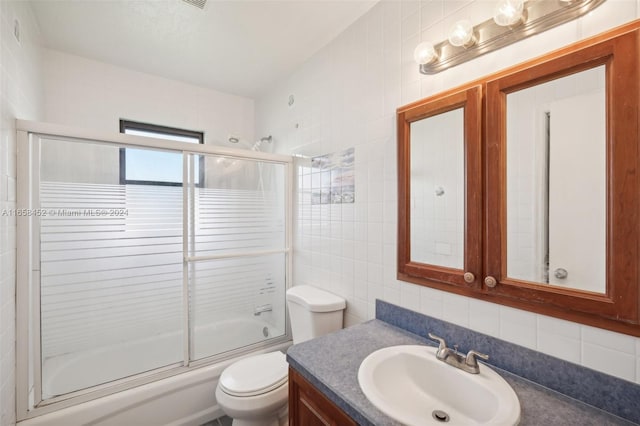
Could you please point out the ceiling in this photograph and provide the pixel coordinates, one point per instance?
(234, 46)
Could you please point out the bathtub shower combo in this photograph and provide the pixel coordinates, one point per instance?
(128, 284)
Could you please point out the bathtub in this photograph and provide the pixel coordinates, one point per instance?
(187, 398)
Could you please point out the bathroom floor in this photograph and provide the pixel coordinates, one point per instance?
(222, 421)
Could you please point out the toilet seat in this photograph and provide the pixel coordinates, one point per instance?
(255, 375)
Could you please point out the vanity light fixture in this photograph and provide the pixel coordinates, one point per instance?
(513, 21)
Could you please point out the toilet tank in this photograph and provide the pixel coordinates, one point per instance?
(313, 312)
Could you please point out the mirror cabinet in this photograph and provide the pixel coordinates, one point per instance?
(523, 188)
(442, 200)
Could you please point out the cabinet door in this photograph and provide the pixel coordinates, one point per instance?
(562, 184)
(309, 407)
(440, 190)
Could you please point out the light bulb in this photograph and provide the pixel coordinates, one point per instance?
(461, 34)
(425, 53)
(508, 12)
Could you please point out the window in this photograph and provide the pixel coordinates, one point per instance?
(146, 167)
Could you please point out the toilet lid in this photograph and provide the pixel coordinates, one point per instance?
(255, 375)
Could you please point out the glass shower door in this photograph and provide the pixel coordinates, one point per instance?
(125, 281)
(110, 269)
(236, 254)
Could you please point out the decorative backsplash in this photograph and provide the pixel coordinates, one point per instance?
(332, 178)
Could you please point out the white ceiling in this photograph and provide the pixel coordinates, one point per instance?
(234, 46)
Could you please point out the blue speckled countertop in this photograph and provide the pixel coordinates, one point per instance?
(331, 364)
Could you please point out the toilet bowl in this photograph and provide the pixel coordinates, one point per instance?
(254, 390)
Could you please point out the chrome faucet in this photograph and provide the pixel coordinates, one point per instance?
(262, 308)
(468, 363)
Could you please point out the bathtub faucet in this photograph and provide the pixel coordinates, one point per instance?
(262, 308)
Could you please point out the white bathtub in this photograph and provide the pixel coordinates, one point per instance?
(183, 399)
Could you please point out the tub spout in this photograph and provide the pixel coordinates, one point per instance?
(262, 308)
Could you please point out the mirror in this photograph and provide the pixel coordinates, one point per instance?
(437, 189)
(556, 182)
(439, 193)
(521, 188)
(569, 198)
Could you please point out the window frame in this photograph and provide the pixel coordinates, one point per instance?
(166, 130)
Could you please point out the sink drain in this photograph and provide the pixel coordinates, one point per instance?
(440, 416)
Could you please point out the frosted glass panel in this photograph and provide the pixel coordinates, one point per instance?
(110, 260)
(239, 216)
(235, 303)
(240, 209)
(111, 270)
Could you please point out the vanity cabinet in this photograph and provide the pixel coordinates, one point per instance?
(523, 188)
(309, 407)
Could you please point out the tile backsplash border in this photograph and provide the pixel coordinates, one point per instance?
(600, 390)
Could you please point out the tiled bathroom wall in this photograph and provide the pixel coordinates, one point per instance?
(345, 96)
(20, 96)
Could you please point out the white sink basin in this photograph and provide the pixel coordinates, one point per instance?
(410, 385)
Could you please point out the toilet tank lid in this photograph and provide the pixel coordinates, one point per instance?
(315, 299)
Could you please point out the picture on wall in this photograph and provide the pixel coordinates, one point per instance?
(333, 179)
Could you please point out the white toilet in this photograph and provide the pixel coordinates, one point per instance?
(254, 390)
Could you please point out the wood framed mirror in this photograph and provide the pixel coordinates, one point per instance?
(554, 227)
(562, 235)
(440, 215)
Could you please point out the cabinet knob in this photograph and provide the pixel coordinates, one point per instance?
(490, 282)
(469, 277)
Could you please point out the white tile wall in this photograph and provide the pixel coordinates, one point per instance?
(518, 327)
(20, 97)
(559, 338)
(613, 353)
(484, 317)
(346, 96)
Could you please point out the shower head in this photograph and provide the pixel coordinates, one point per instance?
(256, 146)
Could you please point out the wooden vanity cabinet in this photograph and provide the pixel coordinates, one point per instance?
(309, 407)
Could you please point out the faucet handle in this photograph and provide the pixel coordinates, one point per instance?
(442, 344)
(471, 358)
